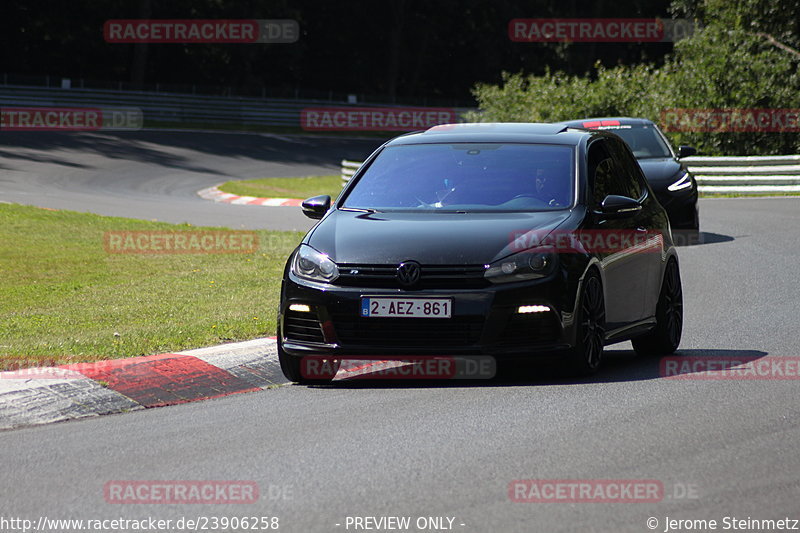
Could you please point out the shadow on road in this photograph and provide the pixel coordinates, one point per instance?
(625, 365)
(168, 148)
(619, 366)
(683, 238)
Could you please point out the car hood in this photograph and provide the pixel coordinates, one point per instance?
(429, 238)
(660, 172)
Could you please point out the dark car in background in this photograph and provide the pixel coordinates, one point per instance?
(461, 240)
(670, 179)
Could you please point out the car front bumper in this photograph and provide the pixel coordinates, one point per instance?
(681, 207)
(484, 321)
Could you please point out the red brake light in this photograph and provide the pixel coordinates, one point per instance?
(599, 123)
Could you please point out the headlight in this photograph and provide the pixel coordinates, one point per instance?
(684, 182)
(530, 264)
(312, 265)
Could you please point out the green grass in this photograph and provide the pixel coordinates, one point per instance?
(304, 187)
(308, 186)
(65, 298)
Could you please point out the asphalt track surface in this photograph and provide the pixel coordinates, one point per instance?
(451, 449)
(155, 175)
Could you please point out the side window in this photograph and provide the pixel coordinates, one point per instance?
(604, 173)
(630, 175)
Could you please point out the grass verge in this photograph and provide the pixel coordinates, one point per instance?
(64, 298)
(304, 187)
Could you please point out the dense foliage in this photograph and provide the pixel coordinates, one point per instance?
(733, 63)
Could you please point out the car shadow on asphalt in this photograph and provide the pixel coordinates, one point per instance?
(618, 366)
(683, 238)
(625, 365)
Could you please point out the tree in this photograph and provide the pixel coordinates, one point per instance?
(733, 63)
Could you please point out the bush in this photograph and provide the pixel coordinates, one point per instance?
(719, 67)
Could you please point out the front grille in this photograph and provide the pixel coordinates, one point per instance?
(353, 330)
(524, 329)
(302, 327)
(431, 276)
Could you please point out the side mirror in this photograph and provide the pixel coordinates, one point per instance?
(615, 206)
(317, 206)
(686, 151)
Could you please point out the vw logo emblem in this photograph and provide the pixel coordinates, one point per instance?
(408, 273)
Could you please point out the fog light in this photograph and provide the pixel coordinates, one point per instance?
(533, 309)
(300, 308)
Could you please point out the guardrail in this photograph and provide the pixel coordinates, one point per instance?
(174, 108)
(746, 174)
(163, 108)
(348, 169)
(728, 174)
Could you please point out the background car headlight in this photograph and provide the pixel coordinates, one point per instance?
(530, 264)
(683, 182)
(313, 265)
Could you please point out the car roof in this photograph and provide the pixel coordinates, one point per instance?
(478, 132)
(612, 121)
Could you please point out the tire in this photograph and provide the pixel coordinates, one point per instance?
(686, 232)
(693, 235)
(696, 220)
(291, 367)
(665, 337)
(586, 356)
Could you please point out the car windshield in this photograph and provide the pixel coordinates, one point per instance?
(467, 177)
(645, 141)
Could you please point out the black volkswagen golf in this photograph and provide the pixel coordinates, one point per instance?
(667, 175)
(508, 240)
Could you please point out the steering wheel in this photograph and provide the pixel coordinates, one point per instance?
(528, 195)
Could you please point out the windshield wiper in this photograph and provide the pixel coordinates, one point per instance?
(360, 209)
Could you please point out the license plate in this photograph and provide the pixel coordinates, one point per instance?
(407, 307)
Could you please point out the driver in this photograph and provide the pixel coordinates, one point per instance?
(547, 189)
